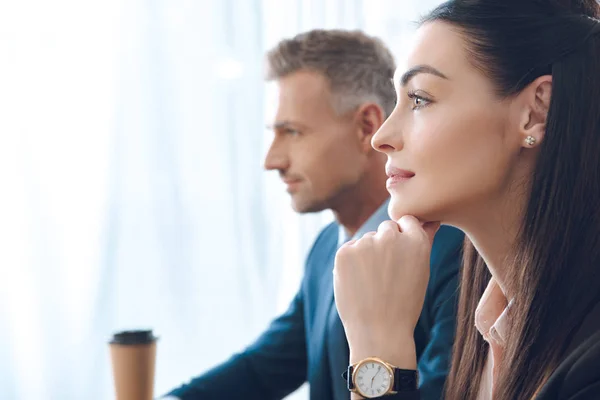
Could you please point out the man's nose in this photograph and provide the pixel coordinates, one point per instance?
(276, 159)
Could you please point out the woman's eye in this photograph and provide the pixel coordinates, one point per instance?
(418, 101)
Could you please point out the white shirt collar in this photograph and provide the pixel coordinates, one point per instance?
(380, 215)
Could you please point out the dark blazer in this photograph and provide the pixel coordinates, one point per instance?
(577, 377)
(308, 343)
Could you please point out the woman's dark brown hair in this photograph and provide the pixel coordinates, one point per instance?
(553, 276)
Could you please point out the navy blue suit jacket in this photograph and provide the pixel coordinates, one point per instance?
(308, 342)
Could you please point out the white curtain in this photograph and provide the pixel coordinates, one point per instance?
(132, 193)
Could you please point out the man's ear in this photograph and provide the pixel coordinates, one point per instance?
(369, 118)
(535, 104)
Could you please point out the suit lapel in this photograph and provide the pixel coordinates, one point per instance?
(338, 353)
(332, 354)
(318, 373)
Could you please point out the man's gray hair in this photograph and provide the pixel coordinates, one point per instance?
(360, 68)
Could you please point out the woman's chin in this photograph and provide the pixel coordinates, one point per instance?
(397, 209)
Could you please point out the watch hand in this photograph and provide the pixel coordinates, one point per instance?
(375, 376)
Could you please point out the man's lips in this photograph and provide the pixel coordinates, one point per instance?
(291, 183)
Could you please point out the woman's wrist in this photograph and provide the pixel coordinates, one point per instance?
(399, 351)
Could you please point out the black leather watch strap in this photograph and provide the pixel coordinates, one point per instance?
(405, 380)
(347, 375)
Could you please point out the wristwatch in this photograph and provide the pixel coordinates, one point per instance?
(373, 377)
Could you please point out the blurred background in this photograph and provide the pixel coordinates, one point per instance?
(132, 195)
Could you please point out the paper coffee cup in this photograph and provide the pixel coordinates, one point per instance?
(133, 357)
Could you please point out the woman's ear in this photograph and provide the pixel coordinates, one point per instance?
(535, 100)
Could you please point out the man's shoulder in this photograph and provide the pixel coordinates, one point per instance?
(447, 247)
(446, 257)
(448, 236)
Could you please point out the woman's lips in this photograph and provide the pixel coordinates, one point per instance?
(397, 176)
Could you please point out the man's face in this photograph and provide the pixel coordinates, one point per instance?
(317, 152)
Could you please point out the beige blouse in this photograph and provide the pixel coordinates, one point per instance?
(491, 322)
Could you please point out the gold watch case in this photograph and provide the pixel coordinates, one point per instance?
(389, 369)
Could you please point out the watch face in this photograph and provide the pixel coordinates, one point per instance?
(373, 379)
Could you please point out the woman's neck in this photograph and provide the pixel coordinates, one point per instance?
(493, 229)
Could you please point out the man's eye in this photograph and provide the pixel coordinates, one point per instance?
(293, 132)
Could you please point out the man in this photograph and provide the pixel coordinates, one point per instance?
(335, 91)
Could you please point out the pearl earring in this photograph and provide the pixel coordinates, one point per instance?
(530, 140)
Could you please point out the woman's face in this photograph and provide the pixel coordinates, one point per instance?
(449, 135)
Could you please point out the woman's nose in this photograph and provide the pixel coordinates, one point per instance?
(388, 138)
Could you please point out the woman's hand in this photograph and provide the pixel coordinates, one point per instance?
(379, 284)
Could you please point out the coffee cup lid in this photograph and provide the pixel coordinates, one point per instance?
(133, 337)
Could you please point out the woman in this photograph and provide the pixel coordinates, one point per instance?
(497, 132)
